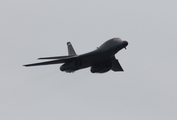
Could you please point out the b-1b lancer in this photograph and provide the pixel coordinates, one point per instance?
(100, 60)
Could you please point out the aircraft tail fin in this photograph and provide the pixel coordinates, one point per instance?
(71, 51)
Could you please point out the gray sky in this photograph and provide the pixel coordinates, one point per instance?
(37, 28)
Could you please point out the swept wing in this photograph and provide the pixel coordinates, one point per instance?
(116, 65)
(61, 60)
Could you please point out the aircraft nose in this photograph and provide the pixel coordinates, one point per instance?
(125, 43)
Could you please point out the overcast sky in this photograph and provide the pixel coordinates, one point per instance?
(147, 90)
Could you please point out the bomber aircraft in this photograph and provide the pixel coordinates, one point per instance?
(100, 60)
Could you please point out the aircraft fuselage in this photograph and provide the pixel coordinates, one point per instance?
(103, 53)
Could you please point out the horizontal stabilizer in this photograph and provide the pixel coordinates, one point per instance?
(56, 57)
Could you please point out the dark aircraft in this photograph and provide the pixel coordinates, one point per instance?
(100, 60)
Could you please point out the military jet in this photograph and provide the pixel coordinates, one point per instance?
(100, 60)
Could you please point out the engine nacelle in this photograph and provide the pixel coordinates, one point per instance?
(71, 66)
(67, 66)
(101, 68)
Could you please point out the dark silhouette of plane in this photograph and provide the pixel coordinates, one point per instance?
(100, 60)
